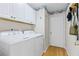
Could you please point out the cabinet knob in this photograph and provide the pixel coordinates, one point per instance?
(14, 17)
(11, 16)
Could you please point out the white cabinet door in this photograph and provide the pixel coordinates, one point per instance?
(32, 15)
(4, 9)
(11, 10)
(7, 10)
(17, 11)
(29, 14)
(22, 12)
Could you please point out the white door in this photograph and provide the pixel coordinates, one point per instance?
(57, 30)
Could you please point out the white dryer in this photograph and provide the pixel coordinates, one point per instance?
(28, 43)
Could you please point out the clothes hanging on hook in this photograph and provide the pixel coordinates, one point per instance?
(69, 16)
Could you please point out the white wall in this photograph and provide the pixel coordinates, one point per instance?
(39, 27)
(70, 39)
(57, 29)
(47, 29)
(42, 25)
(6, 25)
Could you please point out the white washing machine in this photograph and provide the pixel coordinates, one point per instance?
(16, 43)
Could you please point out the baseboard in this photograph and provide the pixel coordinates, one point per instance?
(67, 51)
(44, 51)
(57, 46)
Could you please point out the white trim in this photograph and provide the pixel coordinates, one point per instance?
(67, 52)
(45, 50)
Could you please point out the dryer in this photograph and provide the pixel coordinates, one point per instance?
(28, 43)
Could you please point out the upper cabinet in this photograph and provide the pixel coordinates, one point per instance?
(18, 12)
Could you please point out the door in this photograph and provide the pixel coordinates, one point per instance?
(57, 30)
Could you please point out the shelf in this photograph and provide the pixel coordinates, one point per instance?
(14, 20)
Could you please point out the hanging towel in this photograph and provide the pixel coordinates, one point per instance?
(74, 26)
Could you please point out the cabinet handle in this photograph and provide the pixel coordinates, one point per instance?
(14, 17)
(11, 16)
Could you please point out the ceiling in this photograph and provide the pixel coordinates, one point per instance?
(51, 7)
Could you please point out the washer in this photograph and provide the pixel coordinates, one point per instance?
(28, 43)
